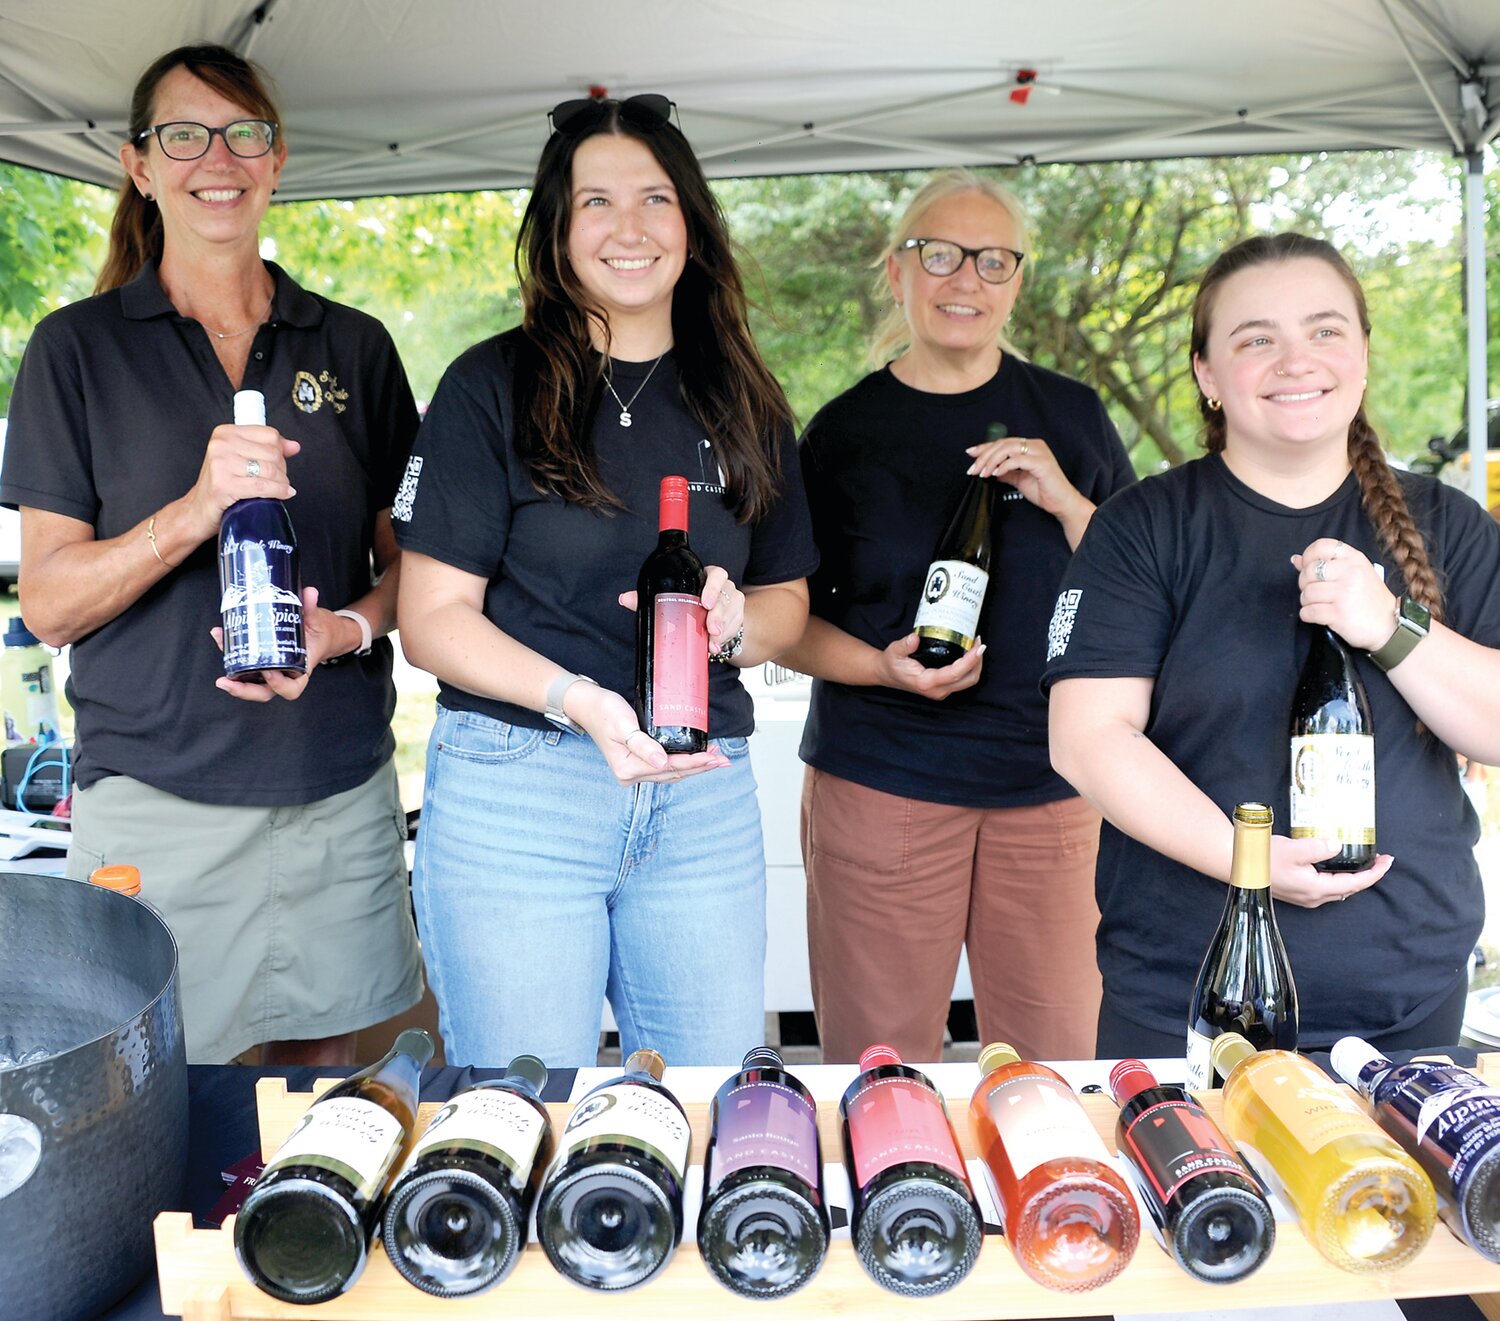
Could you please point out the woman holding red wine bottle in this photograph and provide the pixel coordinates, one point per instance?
(930, 815)
(565, 855)
(1174, 655)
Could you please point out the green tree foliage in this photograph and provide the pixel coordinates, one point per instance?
(51, 242)
(438, 270)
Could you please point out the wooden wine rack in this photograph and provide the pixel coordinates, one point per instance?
(201, 1281)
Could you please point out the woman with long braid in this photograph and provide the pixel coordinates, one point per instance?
(1174, 652)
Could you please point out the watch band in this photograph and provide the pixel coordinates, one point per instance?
(556, 691)
(1412, 623)
(365, 637)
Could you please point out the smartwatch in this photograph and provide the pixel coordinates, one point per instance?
(556, 691)
(1413, 620)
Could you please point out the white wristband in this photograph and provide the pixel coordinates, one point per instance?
(365, 637)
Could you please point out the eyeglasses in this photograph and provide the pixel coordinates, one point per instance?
(649, 110)
(184, 140)
(940, 257)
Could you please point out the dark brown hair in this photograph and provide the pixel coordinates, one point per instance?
(559, 379)
(1383, 499)
(135, 235)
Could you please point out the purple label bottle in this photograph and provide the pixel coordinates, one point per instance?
(764, 1226)
(260, 577)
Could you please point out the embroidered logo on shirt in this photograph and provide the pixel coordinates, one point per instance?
(310, 392)
(401, 506)
(1061, 627)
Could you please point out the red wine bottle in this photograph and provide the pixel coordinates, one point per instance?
(304, 1232)
(764, 1226)
(455, 1219)
(915, 1223)
(260, 578)
(610, 1212)
(1333, 756)
(671, 633)
(1449, 1119)
(1245, 984)
(1212, 1213)
(947, 623)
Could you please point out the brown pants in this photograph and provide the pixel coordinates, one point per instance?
(897, 887)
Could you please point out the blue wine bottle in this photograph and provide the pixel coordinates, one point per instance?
(260, 579)
(1446, 1117)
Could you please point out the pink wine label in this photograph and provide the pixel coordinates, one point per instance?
(896, 1120)
(679, 688)
(765, 1123)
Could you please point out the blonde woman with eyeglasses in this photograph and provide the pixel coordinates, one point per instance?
(264, 816)
(931, 819)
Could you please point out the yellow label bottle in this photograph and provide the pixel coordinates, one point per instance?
(1365, 1204)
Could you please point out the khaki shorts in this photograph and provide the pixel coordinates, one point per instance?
(292, 923)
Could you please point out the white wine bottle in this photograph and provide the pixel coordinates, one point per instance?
(953, 592)
(610, 1212)
(303, 1234)
(1333, 756)
(455, 1220)
(1245, 984)
(1362, 1201)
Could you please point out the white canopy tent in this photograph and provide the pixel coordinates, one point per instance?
(399, 96)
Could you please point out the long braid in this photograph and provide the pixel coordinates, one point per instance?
(1386, 505)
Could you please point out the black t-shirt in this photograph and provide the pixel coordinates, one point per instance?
(554, 569)
(111, 414)
(1186, 580)
(885, 468)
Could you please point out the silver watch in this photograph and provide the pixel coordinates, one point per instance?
(556, 691)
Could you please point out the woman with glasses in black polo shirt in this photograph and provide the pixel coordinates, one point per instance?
(264, 817)
(931, 818)
(564, 855)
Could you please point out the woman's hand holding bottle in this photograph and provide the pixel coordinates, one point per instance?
(1028, 464)
(895, 667)
(633, 755)
(1294, 879)
(724, 602)
(1342, 591)
(240, 463)
(327, 633)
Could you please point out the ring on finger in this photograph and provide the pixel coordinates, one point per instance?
(1025, 447)
(1320, 571)
(252, 467)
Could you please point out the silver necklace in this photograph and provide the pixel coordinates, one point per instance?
(235, 334)
(624, 405)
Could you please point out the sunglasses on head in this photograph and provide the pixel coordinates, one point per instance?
(649, 110)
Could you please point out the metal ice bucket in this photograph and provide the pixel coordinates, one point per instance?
(93, 1137)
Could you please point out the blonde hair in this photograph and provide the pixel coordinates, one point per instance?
(892, 336)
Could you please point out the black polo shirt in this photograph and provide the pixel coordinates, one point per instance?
(112, 410)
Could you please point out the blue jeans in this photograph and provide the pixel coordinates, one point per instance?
(542, 885)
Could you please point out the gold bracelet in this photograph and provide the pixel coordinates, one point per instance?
(151, 537)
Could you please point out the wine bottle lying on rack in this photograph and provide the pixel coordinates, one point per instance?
(764, 1228)
(1362, 1201)
(455, 1218)
(1068, 1215)
(304, 1232)
(1449, 1119)
(610, 1212)
(1216, 1221)
(915, 1223)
